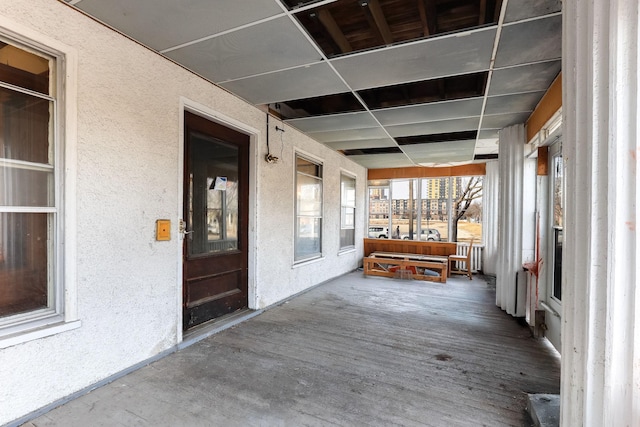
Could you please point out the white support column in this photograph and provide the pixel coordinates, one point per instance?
(510, 281)
(601, 299)
(490, 219)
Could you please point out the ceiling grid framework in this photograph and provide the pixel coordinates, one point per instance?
(389, 83)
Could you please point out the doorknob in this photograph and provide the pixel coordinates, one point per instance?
(183, 228)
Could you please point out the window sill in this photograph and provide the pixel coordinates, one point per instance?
(37, 333)
(346, 251)
(307, 262)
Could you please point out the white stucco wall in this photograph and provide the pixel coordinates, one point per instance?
(128, 174)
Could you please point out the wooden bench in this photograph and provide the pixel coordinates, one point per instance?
(419, 247)
(408, 257)
(393, 264)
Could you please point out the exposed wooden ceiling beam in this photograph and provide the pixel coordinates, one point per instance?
(423, 18)
(334, 30)
(381, 21)
(482, 16)
(496, 13)
(374, 27)
(442, 90)
(432, 15)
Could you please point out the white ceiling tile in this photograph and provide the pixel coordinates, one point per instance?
(377, 161)
(487, 146)
(435, 111)
(358, 144)
(525, 9)
(161, 24)
(488, 134)
(461, 53)
(524, 78)
(296, 83)
(530, 41)
(499, 121)
(513, 103)
(440, 152)
(432, 128)
(331, 122)
(351, 134)
(273, 45)
(438, 147)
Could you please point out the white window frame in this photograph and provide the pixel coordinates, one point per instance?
(62, 312)
(343, 207)
(301, 260)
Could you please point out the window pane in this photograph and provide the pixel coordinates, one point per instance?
(24, 69)
(348, 191)
(557, 266)
(348, 217)
(467, 208)
(557, 191)
(434, 209)
(309, 196)
(25, 187)
(308, 167)
(404, 209)
(24, 240)
(308, 232)
(347, 237)
(24, 127)
(558, 199)
(378, 212)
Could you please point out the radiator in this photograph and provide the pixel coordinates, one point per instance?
(476, 256)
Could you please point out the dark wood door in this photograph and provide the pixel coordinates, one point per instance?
(215, 226)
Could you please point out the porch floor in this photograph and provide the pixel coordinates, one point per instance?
(356, 351)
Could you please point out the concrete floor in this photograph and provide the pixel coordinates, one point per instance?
(352, 352)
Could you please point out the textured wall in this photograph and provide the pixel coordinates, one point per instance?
(128, 175)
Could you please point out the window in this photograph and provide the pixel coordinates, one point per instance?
(436, 209)
(347, 211)
(31, 291)
(308, 233)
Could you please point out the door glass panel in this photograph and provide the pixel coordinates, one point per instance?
(212, 222)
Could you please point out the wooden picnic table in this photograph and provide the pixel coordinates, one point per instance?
(398, 264)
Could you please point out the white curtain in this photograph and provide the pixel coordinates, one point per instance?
(600, 383)
(510, 280)
(490, 219)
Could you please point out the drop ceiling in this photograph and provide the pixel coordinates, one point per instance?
(388, 83)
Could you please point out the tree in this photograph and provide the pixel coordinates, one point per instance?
(474, 213)
(471, 192)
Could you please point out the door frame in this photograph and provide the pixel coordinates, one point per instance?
(188, 105)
